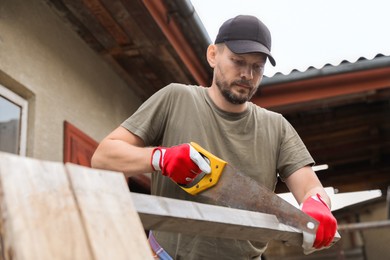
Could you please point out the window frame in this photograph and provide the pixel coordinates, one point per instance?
(23, 104)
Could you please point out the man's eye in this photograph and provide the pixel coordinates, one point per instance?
(257, 67)
(239, 62)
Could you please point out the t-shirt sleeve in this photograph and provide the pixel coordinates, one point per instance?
(149, 121)
(293, 152)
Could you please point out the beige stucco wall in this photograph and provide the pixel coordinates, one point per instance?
(47, 63)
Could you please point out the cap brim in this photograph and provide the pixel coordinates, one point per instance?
(245, 46)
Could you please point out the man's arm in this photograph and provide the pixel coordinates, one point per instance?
(304, 183)
(308, 191)
(123, 151)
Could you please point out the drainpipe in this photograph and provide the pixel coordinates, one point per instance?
(172, 31)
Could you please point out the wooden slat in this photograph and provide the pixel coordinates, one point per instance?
(107, 210)
(186, 217)
(104, 17)
(158, 213)
(39, 216)
(85, 17)
(73, 22)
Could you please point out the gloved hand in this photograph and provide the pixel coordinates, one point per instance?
(181, 163)
(317, 208)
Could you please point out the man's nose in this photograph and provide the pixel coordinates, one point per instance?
(247, 72)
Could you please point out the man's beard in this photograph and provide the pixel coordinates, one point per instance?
(231, 97)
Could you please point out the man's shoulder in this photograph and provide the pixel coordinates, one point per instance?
(178, 90)
(265, 112)
(182, 87)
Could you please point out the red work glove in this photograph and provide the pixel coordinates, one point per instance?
(181, 163)
(317, 208)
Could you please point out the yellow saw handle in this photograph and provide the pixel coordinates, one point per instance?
(208, 180)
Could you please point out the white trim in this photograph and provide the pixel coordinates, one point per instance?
(23, 103)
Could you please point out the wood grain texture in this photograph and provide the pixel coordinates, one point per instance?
(158, 213)
(52, 211)
(39, 216)
(107, 211)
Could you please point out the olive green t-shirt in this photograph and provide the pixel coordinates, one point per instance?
(258, 142)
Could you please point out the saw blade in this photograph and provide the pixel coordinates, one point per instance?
(226, 186)
(236, 190)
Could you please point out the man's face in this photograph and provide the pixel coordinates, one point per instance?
(238, 76)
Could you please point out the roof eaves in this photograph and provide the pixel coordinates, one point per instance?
(379, 61)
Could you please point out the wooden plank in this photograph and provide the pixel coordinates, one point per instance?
(158, 213)
(49, 211)
(75, 24)
(106, 207)
(89, 21)
(39, 216)
(104, 17)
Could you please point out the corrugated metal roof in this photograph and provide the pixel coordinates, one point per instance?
(345, 66)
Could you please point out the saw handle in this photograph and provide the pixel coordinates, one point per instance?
(208, 180)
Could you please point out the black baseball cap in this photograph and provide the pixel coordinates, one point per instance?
(246, 34)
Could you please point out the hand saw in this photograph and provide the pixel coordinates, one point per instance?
(226, 186)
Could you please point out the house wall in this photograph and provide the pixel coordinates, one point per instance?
(45, 62)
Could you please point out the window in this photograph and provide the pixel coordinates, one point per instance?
(13, 122)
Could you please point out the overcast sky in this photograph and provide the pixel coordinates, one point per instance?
(307, 32)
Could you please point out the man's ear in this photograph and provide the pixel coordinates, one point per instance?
(211, 55)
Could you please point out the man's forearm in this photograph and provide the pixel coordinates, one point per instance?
(118, 155)
(321, 191)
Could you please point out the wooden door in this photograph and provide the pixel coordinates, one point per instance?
(78, 147)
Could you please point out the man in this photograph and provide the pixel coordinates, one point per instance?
(220, 118)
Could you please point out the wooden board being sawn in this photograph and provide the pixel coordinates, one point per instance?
(55, 211)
